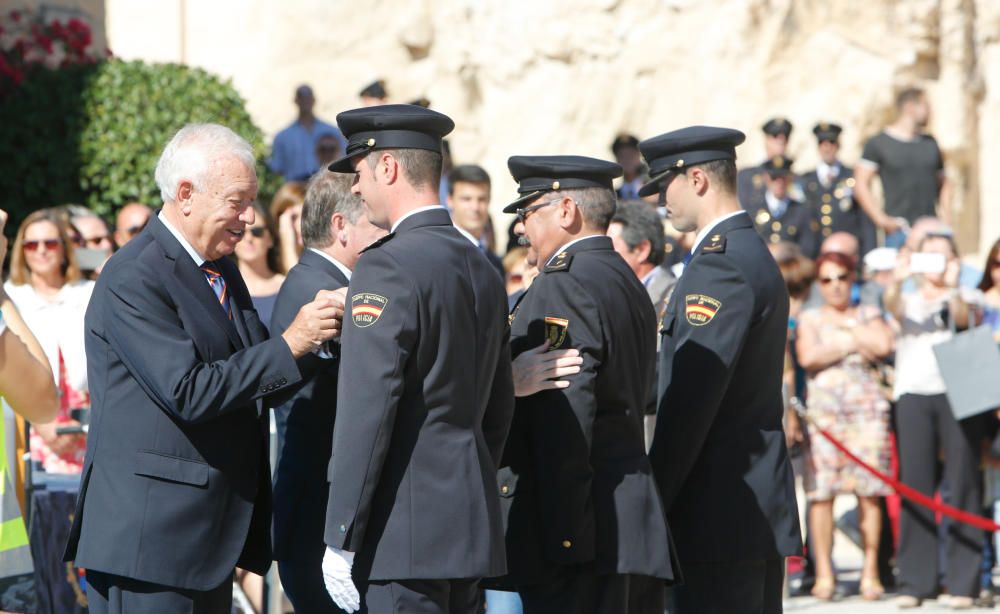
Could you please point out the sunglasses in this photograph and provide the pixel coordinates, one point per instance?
(522, 214)
(134, 230)
(50, 244)
(258, 231)
(830, 280)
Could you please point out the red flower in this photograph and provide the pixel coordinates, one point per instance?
(44, 42)
(57, 30)
(78, 27)
(15, 16)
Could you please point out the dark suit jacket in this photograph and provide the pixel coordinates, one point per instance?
(176, 483)
(576, 484)
(424, 404)
(719, 450)
(305, 431)
(835, 208)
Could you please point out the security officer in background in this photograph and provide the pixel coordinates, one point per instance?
(425, 395)
(586, 530)
(828, 191)
(719, 451)
(752, 180)
(779, 216)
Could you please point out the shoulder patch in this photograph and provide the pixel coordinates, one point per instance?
(555, 331)
(700, 309)
(559, 263)
(716, 244)
(367, 308)
(380, 242)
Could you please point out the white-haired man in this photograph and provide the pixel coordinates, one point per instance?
(175, 489)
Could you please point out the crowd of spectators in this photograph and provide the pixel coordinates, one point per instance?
(863, 320)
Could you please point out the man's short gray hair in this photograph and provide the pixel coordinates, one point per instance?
(326, 194)
(597, 205)
(640, 222)
(191, 153)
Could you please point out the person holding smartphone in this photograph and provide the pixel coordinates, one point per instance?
(925, 424)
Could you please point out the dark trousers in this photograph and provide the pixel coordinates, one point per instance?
(111, 594)
(302, 578)
(421, 597)
(575, 590)
(925, 424)
(737, 587)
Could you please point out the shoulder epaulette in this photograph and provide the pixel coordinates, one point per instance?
(380, 242)
(559, 263)
(716, 245)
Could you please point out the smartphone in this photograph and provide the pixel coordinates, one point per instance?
(922, 262)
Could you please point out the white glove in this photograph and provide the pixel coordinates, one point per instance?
(337, 578)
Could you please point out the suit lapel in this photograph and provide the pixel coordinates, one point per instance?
(193, 281)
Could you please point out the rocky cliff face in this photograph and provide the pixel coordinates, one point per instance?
(560, 76)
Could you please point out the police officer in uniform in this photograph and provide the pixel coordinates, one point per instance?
(719, 451)
(586, 531)
(752, 181)
(778, 215)
(425, 395)
(828, 191)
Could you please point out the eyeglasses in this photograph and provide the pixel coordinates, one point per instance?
(258, 231)
(522, 214)
(830, 280)
(50, 244)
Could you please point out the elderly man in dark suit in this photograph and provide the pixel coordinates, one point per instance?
(335, 229)
(175, 489)
(719, 449)
(425, 395)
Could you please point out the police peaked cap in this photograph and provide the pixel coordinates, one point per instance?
(537, 175)
(390, 126)
(677, 150)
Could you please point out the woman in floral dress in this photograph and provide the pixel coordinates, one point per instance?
(840, 345)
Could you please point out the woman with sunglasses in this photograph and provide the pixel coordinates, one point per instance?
(839, 346)
(258, 257)
(48, 289)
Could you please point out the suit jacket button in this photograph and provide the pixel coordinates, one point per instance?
(343, 529)
(504, 489)
(567, 544)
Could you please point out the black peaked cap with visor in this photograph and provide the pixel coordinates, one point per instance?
(536, 175)
(389, 126)
(675, 151)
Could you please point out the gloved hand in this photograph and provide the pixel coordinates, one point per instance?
(337, 578)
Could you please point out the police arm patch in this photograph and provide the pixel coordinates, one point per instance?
(555, 331)
(367, 308)
(700, 309)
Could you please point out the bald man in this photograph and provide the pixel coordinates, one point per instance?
(130, 221)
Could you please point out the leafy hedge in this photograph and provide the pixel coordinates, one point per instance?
(92, 134)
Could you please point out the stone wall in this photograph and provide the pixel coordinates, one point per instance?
(564, 76)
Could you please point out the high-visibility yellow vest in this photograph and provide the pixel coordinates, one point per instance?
(15, 556)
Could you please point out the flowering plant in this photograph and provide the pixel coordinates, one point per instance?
(28, 43)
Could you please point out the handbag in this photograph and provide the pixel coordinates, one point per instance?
(970, 366)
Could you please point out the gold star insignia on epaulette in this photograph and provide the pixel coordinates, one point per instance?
(716, 244)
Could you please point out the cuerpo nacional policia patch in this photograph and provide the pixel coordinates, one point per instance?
(367, 308)
(699, 309)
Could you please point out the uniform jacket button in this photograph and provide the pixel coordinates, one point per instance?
(343, 528)
(504, 489)
(567, 544)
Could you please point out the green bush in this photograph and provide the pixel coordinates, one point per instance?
(92, 134)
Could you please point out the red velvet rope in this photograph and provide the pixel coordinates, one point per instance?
(910, 493)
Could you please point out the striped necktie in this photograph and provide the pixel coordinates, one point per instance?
(218, 283)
